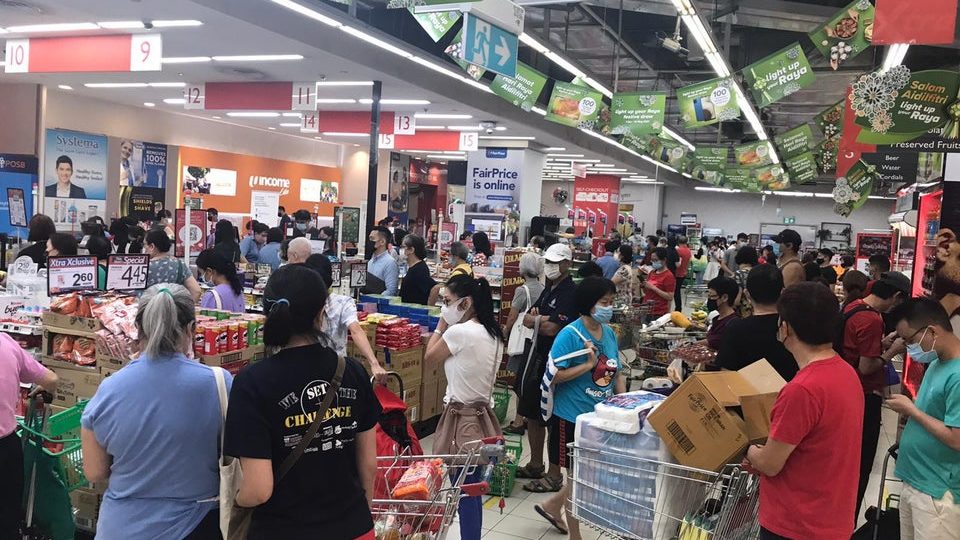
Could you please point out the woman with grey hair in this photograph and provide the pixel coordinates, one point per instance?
(153, 430)
(531, 266)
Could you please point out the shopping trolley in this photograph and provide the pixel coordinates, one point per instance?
(631, 497)
(429, 517)
(883, 523)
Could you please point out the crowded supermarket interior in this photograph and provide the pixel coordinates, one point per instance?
(704, 256)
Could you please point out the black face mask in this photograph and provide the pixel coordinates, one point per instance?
(821, 260)
(370, 247)
(712, 305)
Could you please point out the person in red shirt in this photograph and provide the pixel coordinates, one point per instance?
(659, 284)
(683, 266)
(808, 467)
(861, 345)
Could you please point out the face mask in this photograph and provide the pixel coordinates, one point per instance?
(916, 352)
(657, 265)
(451, 313)
(301, 226)
(279, 214)
(603, 314)
(712, 305)
(821, 260)
(741, 244)
(551, 271)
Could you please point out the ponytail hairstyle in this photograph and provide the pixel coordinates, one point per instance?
(292, 299)
(213, 260)
(479, 292)
(163, 319)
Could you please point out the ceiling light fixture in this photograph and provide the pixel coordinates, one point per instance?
(355, 32)
(258, 58)
(538, 110)
(253, 114)
(185, 59)
(508, 137)
(465, 128)
(543, 49)
(564, 155)
(291, 115)
(176, 23)
(331, 101)
(116, 85)
(447, 157)
(120, 25)
(64, 87)
(554, 149)
(676, 136)
(289, 124)
(436, 116)
(716, 189)
(56, 27)
(345, 83)
(368, 101)
(175, 101)
(271, 128)
(344, 134)
(500, 128)
(166, 84)
(431, 128)
(149, 104)
(307, 12)
(894, 57)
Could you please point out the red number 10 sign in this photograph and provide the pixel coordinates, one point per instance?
(81, 54)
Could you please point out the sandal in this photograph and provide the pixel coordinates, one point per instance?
(544, 485)
(553, 521)
(530, 473)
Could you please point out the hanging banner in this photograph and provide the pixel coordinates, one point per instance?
(17, 172)
(795, 141)
(493, 180)
(522, 90)
(753, 154)
(895, 168)
(779, 75)
(846, 34)
(849, 150)
(736, 178)
(706, 103)
(829, 120)
(75, 177)
(351, 224)
(436, 24)
(853, 190)
(143, 164)
(637, 113)
(574, 105)
(772, 177)
(454, 51)
(826, 154)
(711, 158)
(711, 177)
(917, 22)
(899, 106)
(668, 151)
(802, 167)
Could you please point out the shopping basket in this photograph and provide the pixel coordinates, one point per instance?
(505, 473)
(427, 507)
(501, 401)
(627, 496)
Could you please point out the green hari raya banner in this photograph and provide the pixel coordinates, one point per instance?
(795, 141)
(779, 75)
(638, 113)
(826, 154)
(846, 34)
(668, 151)
(802, 167)
(829, 120)
(453, 51)
(436, 24)
(899, 106)
(753, 154)
(772, 177)
(574, 105)
(711, 158)
(853, 190)
(737, 177)
(706, 103)
(522, 90)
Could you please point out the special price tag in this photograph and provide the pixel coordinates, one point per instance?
(127, 272)
(65, 274)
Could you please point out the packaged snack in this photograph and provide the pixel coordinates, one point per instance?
(65, 305)
(421, 481)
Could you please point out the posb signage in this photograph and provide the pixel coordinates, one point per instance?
(18, 163)
(272, 183)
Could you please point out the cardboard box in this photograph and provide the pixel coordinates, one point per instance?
(69, 324)
(104, 360)
(428, 399)
(75, 383)
(86, 502)
(711, 418)
(46, 344)
(412, 397)
(252, 353)
(107, 371)
(406, 363)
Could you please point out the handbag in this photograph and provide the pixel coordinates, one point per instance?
(519, 334)
(241, 517)
(216, 298)
(464, 423)
(230, 473)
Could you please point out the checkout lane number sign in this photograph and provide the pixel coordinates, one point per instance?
(127, 272)
(65, 274)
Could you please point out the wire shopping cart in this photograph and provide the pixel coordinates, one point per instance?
(631, 497)
(428, 513)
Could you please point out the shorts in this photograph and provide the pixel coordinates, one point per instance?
(561, 434)
(528, 390)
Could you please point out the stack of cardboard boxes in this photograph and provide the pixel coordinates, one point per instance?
(76, 382)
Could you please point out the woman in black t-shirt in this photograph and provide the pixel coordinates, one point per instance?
(273, 402)
(225, 238)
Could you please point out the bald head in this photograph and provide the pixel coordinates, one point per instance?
(299, 250)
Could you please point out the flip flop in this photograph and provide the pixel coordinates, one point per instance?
(553, 521)
(544, 485)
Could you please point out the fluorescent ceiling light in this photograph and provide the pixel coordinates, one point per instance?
(687, 175)
(215, 117)
(116, 85)
(538, 110)
(368, 101)
(716, 189)
(176, 23)
(561, 61)
(185, 59)
(149, 104)
(473, 127)
(307, 12)
(431, 128)
(253, 114)
(436, 116)
(175, 101)
(258, 57)
(500, 128)
(508, 137)
(605, 166)
(447, 157)
(64, 87)
(894, 57)
(345, 83)
(120, 25)
(578, 160)
(291, 115)
(376, 41)
(167, 84)
(271, 128)
(344, 134)
(57, 27)
(554, 149)
(289, 124)
(677, 137)
(773, 153)
(335, 100)
(461, 152)
(2, 31)
(450, 73)
(564, 155)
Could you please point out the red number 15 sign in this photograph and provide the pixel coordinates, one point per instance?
(81, 54)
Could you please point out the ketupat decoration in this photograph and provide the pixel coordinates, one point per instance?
(853, 190)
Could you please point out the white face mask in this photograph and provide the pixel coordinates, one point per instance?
(451, 313)
(551, 271)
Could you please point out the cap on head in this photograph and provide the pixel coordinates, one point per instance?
(558, 252)
(898, 281)
(789, 236)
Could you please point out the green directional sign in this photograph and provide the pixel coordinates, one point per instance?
(779, 75)
(795, 141)
(638, 113)
(522, 90)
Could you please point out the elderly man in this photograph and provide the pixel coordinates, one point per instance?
(298, 251)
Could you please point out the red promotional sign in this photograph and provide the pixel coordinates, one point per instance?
(929, 22)
(84, 54)
(849, 150)
(593, 196)
(196, 231)
(257, 96)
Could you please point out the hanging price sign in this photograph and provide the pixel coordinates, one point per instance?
(335, 271)
(65, 274)
(127, 272)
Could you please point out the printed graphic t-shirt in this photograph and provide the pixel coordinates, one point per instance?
(272, 404)
(577, 396)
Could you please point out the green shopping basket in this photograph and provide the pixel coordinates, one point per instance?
(505, 472)
(501, 402)
(60, 439)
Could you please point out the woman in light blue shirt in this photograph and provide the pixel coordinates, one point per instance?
(153, 431)
(270, 253)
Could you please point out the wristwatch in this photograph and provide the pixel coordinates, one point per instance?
(438, 332)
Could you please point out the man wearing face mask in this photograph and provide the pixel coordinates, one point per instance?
(212, 217)
(729, 262)
(555, 309)
(381, 265)
(789, 262)
(285, 220)
(929, 458)
(808, 465)
(722, 294)
(302, 226)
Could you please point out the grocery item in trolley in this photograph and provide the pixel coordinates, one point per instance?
(420, 481)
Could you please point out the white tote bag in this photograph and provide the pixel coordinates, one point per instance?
(230, 473)
(519, 334)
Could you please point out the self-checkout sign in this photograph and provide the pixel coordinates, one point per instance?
(386, 141)
(310, 122)
(358, 275)
(404, 124)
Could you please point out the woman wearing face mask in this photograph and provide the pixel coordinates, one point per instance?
(227, 291)
(581, 381)
(163, 267)
(165, 222)
(659, 284)
(468, 342)
(713, 262)
(624, 276)
(745, 260)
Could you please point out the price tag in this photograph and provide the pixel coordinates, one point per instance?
(17, 56)
(404, 124)
(194, 95)
(310, 123)
(335, 269)
(358, 275)
(386, 141)
(146, 52)
(65, 274)
(469, 141)
(304, 96)
(127, 272)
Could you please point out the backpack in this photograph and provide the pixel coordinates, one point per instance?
(844, 317)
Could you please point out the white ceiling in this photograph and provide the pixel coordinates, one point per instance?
(222, 34)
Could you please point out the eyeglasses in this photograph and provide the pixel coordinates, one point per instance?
(910, 339)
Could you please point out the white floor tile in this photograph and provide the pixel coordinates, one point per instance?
(496, 535)
(522, 527)
(491, 518)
